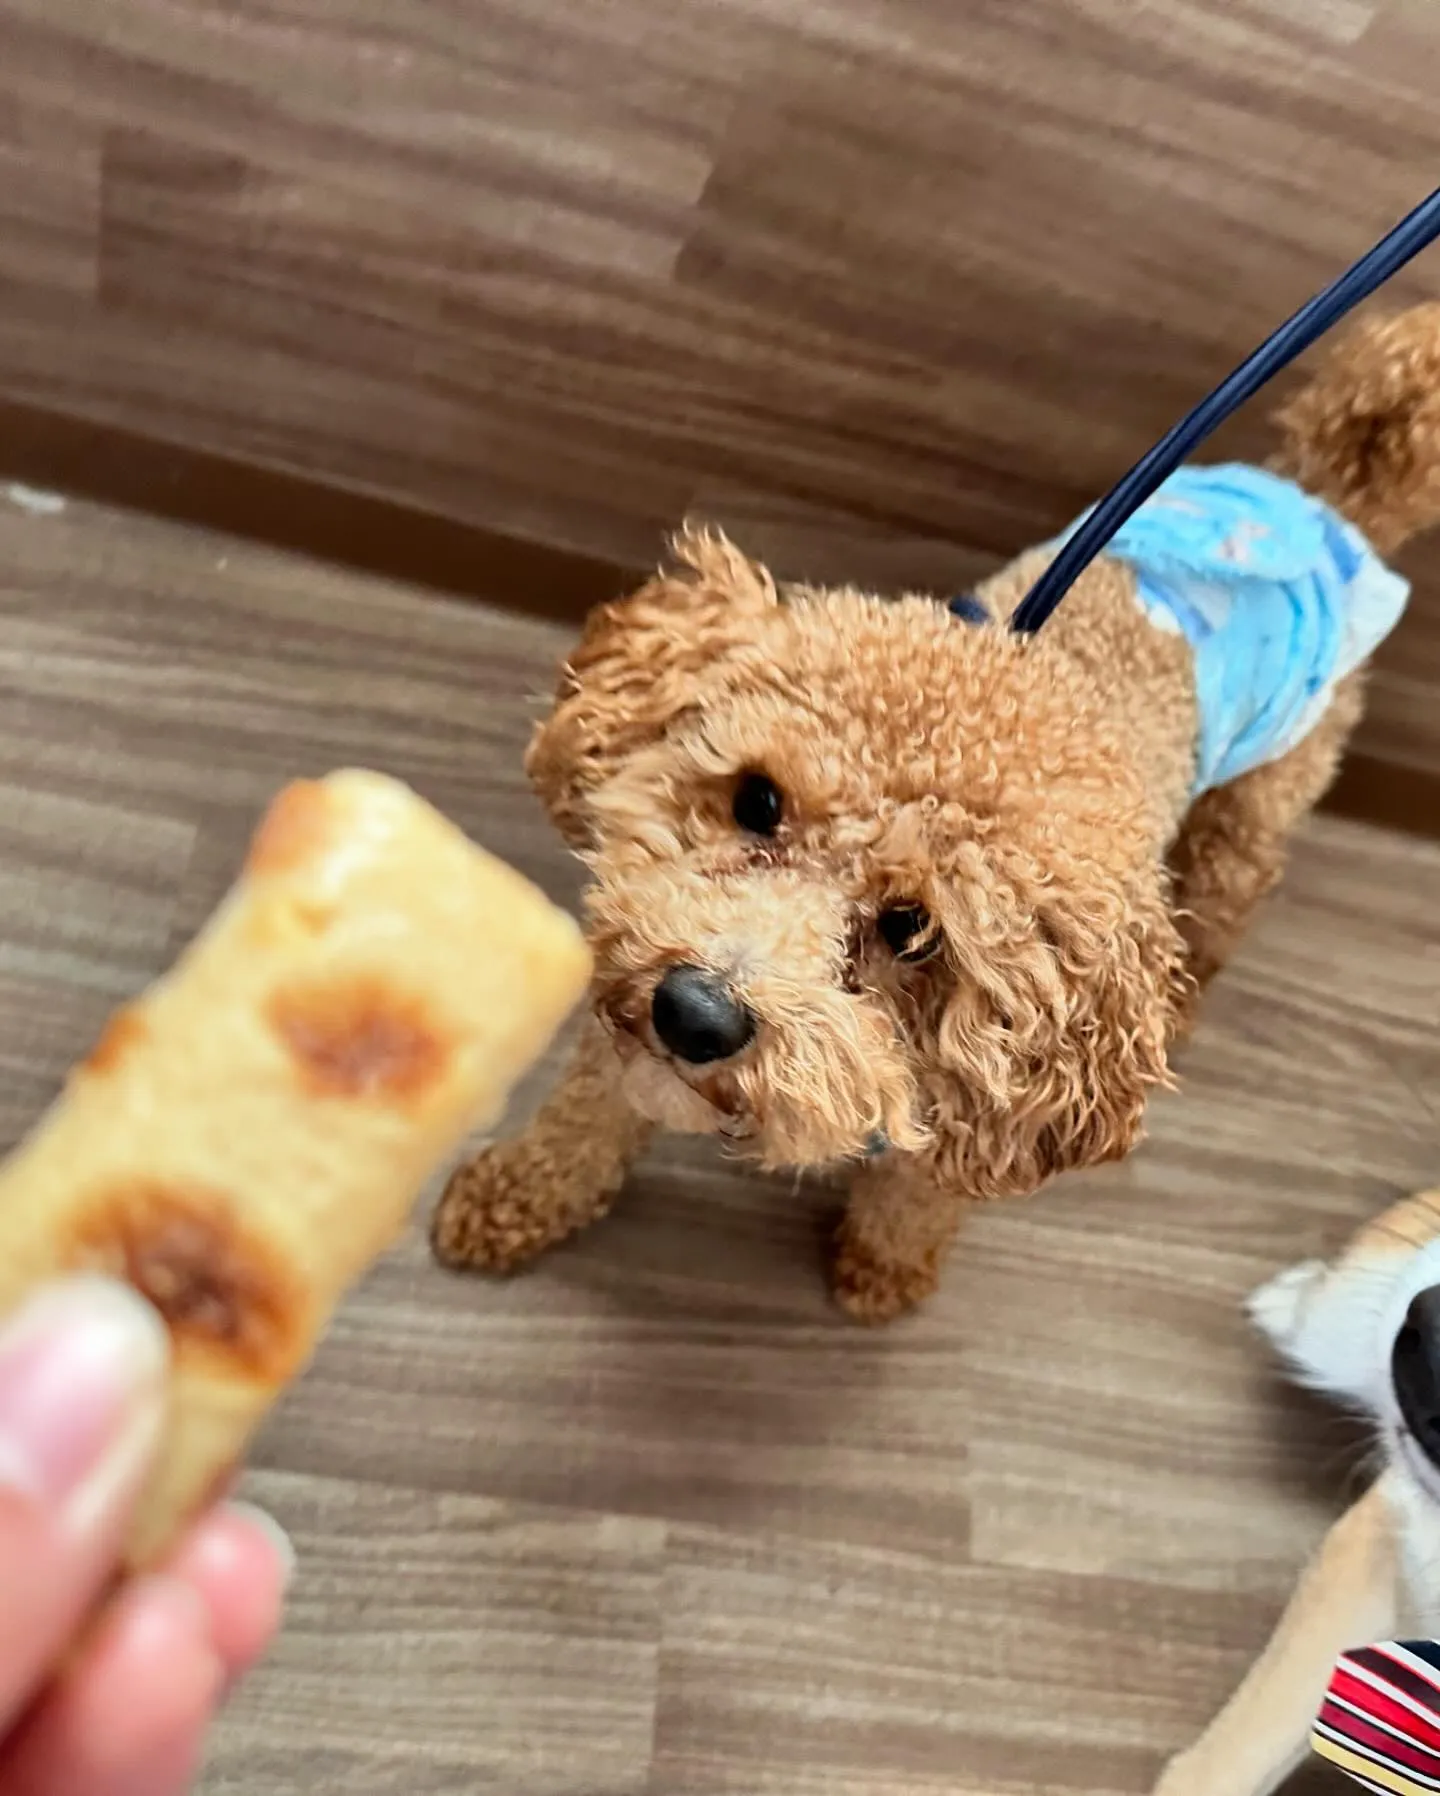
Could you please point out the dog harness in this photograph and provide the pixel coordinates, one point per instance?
(1278, 596)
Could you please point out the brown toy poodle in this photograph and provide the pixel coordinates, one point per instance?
(883, 882)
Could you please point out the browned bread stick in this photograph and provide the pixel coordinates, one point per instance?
(248, 1136)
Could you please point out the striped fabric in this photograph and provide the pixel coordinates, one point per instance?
(1381, 1719)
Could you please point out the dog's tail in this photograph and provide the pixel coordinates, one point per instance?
(1364, 432)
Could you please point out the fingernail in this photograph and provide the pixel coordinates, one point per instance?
(280, 1542)
(82, 1378)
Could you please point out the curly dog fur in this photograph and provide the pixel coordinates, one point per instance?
(1028, 798)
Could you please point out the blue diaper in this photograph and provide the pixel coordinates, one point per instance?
(1278, 597)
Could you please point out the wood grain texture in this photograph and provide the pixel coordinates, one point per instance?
(891, 288)
(654, 1520)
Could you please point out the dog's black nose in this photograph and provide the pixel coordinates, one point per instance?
(1415, 1371)
(698, 1018)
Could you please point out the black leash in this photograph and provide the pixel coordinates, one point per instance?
(1415, 232)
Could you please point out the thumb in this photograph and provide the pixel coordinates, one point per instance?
(82, 1392)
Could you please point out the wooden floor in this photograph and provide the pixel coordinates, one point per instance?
(892, 288)
(655, 1521)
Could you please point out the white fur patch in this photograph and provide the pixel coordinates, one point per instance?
(1276, 1307)
(1336, 1325)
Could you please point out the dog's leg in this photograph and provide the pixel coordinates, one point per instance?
(1347, 1597)
(1232, 845)
(523, 1195)
(898, 1226)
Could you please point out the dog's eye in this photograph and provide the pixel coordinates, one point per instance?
(907, 932)
(758, 805)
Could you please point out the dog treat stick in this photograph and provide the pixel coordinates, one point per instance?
(248, 1136)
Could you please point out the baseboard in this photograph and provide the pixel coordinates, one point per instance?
(292, 510)
(1388, 794)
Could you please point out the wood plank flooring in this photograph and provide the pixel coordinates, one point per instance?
(654, 1520)
(892, 288)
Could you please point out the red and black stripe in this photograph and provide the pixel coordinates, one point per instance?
(1380, 1721)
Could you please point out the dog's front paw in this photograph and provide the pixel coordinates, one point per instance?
(1275, 1308)
(873, 1289)
(485, 1220)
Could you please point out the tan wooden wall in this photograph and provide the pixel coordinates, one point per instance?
(891, 286)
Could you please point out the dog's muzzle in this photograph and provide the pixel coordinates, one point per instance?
(1415, 1372)
(698, 1018)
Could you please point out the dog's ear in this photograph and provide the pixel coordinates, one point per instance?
(1058, 1046)
(643, 662)
(1123, 977)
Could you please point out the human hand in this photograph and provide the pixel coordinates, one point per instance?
(113, 1702)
